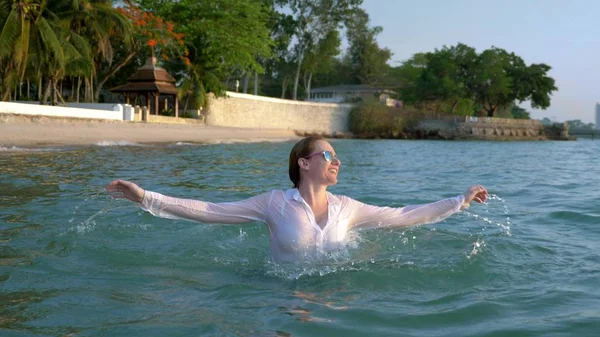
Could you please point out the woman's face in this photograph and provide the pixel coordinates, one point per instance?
(317, 168)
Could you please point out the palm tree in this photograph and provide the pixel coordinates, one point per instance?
(30, 28)
(99, 23)
(52, 38)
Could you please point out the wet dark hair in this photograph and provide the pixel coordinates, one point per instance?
(303, 148)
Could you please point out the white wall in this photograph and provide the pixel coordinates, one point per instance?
(118, 111)
(94, 106)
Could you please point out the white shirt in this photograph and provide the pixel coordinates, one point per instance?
(293, 230)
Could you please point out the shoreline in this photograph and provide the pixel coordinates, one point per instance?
(41, 131)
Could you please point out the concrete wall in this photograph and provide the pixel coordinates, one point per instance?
(249, 111)
(118, 112)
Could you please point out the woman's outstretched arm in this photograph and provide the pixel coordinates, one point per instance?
(243, 211)
(369, 216)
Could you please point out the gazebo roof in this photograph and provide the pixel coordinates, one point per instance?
(149, 78)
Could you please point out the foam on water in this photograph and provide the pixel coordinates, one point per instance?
(116, 143)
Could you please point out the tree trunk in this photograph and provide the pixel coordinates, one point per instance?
(58, 94)
(15, 96)
(246, 78)
(86, 91)
(40, 88)
(54, 99)
(284, 87)
(28, 90)
(297, 78)
(308, 85)
(72, 89)
(111, 73)
(6, 95)
(46, 93)
(78, 89)
(92, 89)
(454, 105)
(256, 83)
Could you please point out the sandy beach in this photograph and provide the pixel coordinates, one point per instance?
(45, 131)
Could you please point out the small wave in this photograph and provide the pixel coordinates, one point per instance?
(575, 217)
(250, 140)
(24, 149)
(116, 143)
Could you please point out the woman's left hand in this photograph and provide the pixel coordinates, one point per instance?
(476, 193)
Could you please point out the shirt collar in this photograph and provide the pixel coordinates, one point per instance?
(294, 194)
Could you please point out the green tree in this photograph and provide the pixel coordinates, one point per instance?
(578, 125)
(222, 37)
(36, 36)
(280, 67)
(322, 58)
(29, 23)
(368, 60)
(314, 20)
(519, 113)
(102, 26)
(498, 79)
(409, 74)
(443, 80)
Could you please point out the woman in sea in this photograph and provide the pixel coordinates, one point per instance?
(306, 219)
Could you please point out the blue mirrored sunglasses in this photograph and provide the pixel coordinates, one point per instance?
(326, 154)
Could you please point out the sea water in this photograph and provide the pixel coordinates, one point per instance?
(75, 262)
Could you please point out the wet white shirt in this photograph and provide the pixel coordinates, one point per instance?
(293, 230)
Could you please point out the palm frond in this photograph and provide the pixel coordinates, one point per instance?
(51, 41)
(80, 44)
(81, 66)
(10, 32)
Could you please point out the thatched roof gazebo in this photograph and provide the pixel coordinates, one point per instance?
(150, 80)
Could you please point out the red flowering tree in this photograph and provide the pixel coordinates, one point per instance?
(152, 35)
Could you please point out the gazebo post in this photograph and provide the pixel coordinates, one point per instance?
(127, 98)
(176, 106)
(156, 94)
(148, 103)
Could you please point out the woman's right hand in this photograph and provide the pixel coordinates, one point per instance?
(125, 189)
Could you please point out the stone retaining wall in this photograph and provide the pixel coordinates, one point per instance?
(249, 111)
(491, 129)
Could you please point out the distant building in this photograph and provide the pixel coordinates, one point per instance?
(597, 116)
(350, 92)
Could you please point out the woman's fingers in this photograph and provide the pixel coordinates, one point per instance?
(476, 193)
(115, 185)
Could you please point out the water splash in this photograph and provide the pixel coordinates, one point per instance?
(477, 247)
(504, 225)
(89, 224)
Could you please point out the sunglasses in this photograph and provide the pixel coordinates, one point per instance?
(326, 154)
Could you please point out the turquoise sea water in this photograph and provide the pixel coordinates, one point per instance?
(74, 262)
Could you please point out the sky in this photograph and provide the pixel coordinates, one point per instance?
(562, 34)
